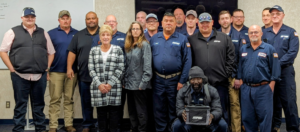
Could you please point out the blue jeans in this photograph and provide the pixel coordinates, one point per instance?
(86, 106)
(36, 90)
(180, 126)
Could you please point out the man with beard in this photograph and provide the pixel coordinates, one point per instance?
(118, 38)
(180, 17)
(259, 68)
(191, 21)
(234, 85)
(60, 84)
(238, 20)
(31, 53)
(171, 62)
(266, 18)
(213, 52)
(152, 25)
(79, 50)
(286, 42)
(201, 93)
(141, 18)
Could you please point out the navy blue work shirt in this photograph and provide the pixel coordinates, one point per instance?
(61, 41)
(172, 55)
(185, 33)
(238, 41)
(181, 29)
(197, 98)
(119, 39)
(244, 32)
(261, 64)
(286, 43)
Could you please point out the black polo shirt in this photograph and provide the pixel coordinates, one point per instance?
(81, 45)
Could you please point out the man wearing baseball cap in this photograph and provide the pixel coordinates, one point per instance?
(286, 42)
(191, 21)
(29, 60)
(59, 84)
(213, 51)
(152, 25)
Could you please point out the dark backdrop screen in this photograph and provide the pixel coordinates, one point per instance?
(159, 7)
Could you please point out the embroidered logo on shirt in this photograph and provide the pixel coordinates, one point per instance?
(176, 43)
(296, 34)
(275, 55)
(244, 54)
(284, 37)
(188, 45)
(246, 33)
(262, 54)
(235, 41)
(244, 41)
(120, 39)
(217, 41)
(156, 43)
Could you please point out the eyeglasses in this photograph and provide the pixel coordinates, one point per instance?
(110, 21)
(136, 29)
(237, 17)
(151, 22)
(277, 14)
(255, 32)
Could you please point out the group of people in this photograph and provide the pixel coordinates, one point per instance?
(245, 75)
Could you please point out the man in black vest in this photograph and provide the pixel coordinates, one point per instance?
(31, 55)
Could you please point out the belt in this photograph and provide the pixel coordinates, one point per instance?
(285, 66)
(168, 76)
(257, 84)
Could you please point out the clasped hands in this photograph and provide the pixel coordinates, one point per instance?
(104, 88)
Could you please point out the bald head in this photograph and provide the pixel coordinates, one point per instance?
(111, 20)
(91, 20)
(141, 18)
(255, 34)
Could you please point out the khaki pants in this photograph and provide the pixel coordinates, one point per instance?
(60, 85)
(235, 109)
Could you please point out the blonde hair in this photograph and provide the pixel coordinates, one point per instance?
(106, 28)
(129, 41)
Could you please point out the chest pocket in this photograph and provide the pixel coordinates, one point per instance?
(175, 49)
(155, 47)
(262, 60)
(284, 43)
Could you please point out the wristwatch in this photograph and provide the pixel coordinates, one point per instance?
(48, 68)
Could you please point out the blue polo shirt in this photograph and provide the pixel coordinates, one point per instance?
(172, 55)
(244, 32)
(197, 98)
(147, 36)
(238, 41)
(286, 43)
(258, 65)
(185, 33)
(61, 41)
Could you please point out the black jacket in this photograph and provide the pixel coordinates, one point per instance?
(215, 56)
(214, 102)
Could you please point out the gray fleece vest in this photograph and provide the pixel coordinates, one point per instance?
(28, 54)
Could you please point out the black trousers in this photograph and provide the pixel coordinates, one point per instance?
(111, 120)
(137, 108)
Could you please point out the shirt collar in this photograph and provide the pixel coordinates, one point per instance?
(261, 46)
(116, 34)
(27, 28)
(174, 35)
(192, 90)
(88, 33)
(244, 28)
(71, 29)
(270, 29)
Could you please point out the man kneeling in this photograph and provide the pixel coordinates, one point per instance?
(198, 92)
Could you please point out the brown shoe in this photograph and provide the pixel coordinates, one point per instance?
(70, 129)
(86, 130)
(276, 129)
(52, 130)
